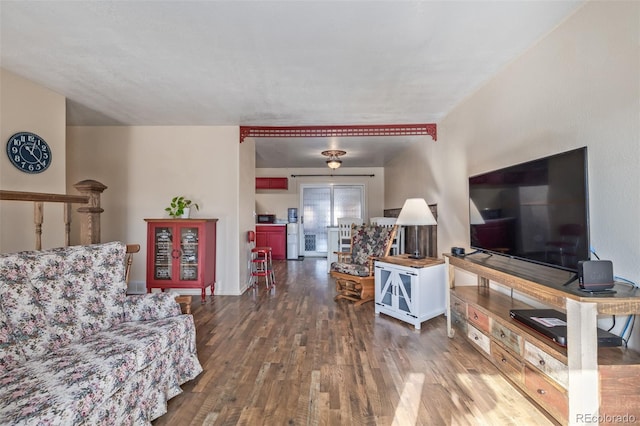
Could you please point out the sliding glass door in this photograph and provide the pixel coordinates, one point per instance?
(321, 206)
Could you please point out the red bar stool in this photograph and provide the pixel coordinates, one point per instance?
(260, 264)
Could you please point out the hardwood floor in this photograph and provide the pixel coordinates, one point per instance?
(293, 356)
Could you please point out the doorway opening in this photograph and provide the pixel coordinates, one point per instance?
(321, 206)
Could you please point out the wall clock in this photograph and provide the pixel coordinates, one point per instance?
(29, 152)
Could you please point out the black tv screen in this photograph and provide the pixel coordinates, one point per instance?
(535, 211)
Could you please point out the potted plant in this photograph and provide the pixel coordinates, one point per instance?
(180, 207)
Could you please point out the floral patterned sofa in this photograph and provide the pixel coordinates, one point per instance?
(76, 350)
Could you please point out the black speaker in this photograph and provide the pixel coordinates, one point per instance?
(457, 251)
(595, 275)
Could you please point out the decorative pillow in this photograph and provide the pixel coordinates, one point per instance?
(18, 300)
(95, 273)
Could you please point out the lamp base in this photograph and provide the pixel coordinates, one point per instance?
(416, 255)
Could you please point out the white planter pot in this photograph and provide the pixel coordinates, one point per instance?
(186, 213)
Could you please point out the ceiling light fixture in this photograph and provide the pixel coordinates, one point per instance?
(334, 160)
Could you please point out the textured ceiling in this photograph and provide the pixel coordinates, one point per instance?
(270, 63)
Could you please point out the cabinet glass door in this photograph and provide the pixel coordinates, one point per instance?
(189, 254)
(404, 293)
(386, 288)
(163, 256)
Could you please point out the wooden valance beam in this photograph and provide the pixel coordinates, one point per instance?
(429, 129)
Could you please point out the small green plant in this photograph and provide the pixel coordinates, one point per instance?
(177, 206)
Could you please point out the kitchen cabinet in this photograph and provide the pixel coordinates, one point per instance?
(181, 253)
(412, 290)
(274, 236)
(272, 183)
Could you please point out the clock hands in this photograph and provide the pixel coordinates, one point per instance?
(30, 150)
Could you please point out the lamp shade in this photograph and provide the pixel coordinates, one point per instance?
(416, 211)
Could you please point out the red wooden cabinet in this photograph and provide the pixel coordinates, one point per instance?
(181, 253)
(274, 236)
(263, 183)
(272, 183)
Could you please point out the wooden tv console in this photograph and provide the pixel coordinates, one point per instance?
(580, 384)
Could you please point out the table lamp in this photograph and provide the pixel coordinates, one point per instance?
(416, 212)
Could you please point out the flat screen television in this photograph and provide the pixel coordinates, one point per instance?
(535, 211)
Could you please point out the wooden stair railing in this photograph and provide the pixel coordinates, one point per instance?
(89, 211)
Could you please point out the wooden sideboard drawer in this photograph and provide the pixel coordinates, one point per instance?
(508, 338)
(458, 306)
(508, 364)
(554, 400)
(478, 318)
(459, 321)
(544, 362)
(479, 338)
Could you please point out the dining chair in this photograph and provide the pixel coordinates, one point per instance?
(344, 231)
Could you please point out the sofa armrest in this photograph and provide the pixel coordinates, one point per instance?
(151, 306)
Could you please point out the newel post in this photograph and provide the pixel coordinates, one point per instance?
(90, 213)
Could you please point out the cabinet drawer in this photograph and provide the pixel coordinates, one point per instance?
(552, 399)
(478, 318)
(508, 338)
(479, 339)
(507, 363)
(544, 362)
(458, 306)
(459, 321)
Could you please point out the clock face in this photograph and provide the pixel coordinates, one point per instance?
(29, 152)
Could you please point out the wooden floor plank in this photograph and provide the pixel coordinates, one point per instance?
(294, 356)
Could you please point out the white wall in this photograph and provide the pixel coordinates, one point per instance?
(278, 201)
(579, 86)
(145, 166)
(407, 177)
(27, 107)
